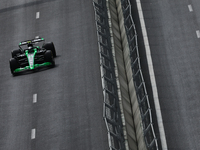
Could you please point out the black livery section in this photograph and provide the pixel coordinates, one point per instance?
(32, 56)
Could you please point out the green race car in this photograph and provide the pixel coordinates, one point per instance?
(31, 55)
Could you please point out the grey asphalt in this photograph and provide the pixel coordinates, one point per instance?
(175, 49)
(68, 113)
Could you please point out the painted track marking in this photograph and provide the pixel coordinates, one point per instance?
(190, 8)
(198, 33)
(34, 98)
(37, 15)
(33, 133)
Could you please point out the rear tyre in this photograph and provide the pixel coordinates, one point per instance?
(15, 52)
(50, 46)
(13, 65)
(48, 57)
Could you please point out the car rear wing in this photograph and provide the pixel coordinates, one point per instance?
(31, 41)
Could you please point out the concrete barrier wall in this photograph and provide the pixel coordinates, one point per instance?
(127, 112)
(128, 99)
(130, 137)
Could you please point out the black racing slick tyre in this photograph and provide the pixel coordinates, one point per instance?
(13, 65)
(48, 57)
(15, 52)
(50, 46)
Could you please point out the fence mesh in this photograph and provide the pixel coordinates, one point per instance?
(111, 112)
(143, 100)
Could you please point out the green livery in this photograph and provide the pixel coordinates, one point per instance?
(32, 56)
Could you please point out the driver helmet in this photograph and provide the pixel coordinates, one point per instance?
(30, 46)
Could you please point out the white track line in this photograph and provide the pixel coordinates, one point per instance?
(198, 33)
(37, 15)
(152, 78)
(190, 8)
(33, 134)
(34, 98)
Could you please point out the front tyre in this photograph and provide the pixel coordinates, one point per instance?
(48, 57)
(13, 65)
(15, 52)
(50, 46)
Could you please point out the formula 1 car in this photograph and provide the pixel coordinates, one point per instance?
(32, 56)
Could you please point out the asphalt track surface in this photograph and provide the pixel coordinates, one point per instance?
(68, 112)
(172, 28)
